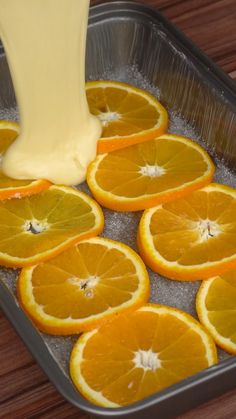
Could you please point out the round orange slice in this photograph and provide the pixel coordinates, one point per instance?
(216, 308)
(128, 115)
(36, 228)
(138, 354)
(10, 188)
(148, 174)
(84, 286)
(191, 238)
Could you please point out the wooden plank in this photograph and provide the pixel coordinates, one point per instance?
(205, 22)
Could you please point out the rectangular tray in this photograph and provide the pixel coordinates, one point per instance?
(134, 43)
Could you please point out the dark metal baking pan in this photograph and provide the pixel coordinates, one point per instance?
(134, 43)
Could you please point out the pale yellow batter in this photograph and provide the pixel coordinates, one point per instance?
(45, 42)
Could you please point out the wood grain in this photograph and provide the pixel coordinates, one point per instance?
(24, 389)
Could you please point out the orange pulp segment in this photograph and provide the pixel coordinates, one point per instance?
(148, 174)
(191, 238)
(84, 286)
(13, 188)
(138, 354)
(128, 115)
(38, 227)
(216, 308)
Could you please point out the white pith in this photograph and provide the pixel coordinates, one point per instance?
(152, 170)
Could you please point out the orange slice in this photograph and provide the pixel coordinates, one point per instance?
(138, 354)
(191, 238)
(36, 228)
(128, 115)
(82, 287)
(148, 174)
(10, 188)
(216, 308)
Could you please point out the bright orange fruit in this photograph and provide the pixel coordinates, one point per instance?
(216, 308)
(36, 228)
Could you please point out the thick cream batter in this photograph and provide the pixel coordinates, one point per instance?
(45, 42)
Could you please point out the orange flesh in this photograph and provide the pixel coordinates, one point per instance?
(129, 115)
(76, 303)
(108, 365)
(221, 305)
(10, 187)
(129, 182)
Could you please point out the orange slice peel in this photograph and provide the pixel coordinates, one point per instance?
(138, 354)
(216, 307)
(148, 174)
(84, 286)
(191, 238)
(38, 227)
(128, 115)
(13, 188)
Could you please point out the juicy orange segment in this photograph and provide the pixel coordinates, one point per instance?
(191, 238)
(216, 308)
(87, 284)
(139, 354)
(38, 227)
(10, 188)
(128, 115)
(147, 174)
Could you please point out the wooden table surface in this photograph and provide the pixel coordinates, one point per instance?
(24, 389)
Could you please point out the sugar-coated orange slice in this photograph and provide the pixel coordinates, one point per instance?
(216, 308)
(138, 354)
(148, 174)
(191, 238)
(38, 227)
